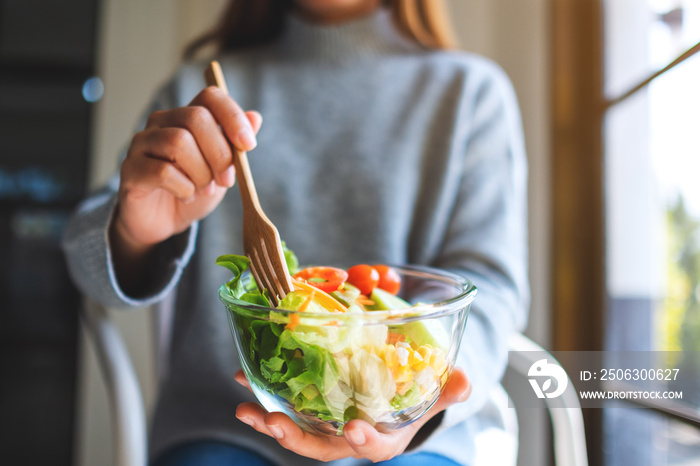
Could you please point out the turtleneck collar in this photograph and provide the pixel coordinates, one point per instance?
(367, 36)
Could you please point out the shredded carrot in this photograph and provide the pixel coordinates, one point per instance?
(326, 300)
(306, 303)
(393, 338)
(364, 301)
(333, 323)
(294, 320)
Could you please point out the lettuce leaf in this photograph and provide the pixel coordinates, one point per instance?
(291, 259)
(300, 372)
(251, 295)
(237, 265)
(408, 399)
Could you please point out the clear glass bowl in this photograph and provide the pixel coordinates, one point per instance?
(386, 367)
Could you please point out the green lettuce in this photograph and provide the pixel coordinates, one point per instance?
(408, 399)
(291, 259)
(288, 363)
(237, 265)
(331, 372)
(300, 372)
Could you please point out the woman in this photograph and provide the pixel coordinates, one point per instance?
(377, 146)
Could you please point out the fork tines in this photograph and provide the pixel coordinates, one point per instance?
(277, 282)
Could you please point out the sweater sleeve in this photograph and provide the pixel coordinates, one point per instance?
(486, 238)
(89, 255)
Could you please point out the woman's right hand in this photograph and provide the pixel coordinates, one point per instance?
(177, 171)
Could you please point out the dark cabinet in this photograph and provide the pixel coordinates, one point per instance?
(47, 52)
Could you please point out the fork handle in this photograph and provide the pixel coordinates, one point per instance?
(255, 222)
(215, 77)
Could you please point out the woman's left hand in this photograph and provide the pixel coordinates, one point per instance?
(359, 440)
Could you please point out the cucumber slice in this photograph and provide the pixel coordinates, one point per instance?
(385, 301)
(422, 332)
(427, 332)
(347, 294)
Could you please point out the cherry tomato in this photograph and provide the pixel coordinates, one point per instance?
(389, 279)
(326, 279)
(364, 277)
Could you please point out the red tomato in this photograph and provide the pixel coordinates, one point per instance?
(326, 279)
(389, 279)
(364, 277)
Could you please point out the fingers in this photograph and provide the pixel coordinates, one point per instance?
(359, 439)
(254, 415)
(377, 446)
(229, 115)
(457, 390)
(293, 438)
(144, 174)
(255, 119)
(369, 443)
(178, 146)
(281, 427)
(195, 129)
(243, 380)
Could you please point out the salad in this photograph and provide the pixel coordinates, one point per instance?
(300, 351)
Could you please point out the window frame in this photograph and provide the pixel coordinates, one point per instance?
(578, 249)
(579, 107)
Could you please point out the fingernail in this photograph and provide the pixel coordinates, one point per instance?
(464, 396)
(247, 420)
(189, 200)
(209, 190)
(356, 436)
(229, 177)
(276, 431)
(246, 138)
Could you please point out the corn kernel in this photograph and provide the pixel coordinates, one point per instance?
(417, 362)
(405, 374)
(389, 355)
(426, 352)
(416, 358)
(438, 361)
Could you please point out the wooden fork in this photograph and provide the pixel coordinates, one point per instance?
(261, 240)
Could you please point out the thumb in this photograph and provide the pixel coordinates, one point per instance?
(457, 390)
(255, 119)
(376, 446)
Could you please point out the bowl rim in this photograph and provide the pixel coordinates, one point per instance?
(461, 300)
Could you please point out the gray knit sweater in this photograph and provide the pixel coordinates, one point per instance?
(372, 150)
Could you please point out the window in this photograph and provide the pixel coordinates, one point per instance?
(627, 207)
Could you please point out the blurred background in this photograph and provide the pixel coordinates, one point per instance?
(614, 201)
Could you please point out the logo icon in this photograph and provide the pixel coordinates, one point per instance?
(542, 368)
